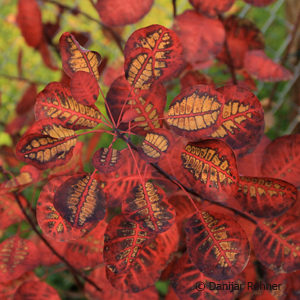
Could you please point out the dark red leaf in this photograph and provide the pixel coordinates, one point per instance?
(242, 119)
(202, 38)
(192, 78)
(212, 8)
(211, 170)
(29, 291)
(265, 197)
(27, 101)
(259, 2)
(217, 245)
(47, 56)
(241, 35)
(29, 19)
(260, 66)
(46, 144)
(56, 102)
(282, 159)
(120, 13)
(195, 112)
(76, 58)
(81, 201)
(277, 243)
(124, 240)
(49, 220)
(152, 53)
(147, 205)
(148, 104)
(147, 267)
(84, 88)
(17, 256)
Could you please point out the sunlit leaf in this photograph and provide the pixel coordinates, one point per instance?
(217, 245)
(55, 102)
(76, 58)
(152, 53)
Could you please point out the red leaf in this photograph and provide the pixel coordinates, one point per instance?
(148, 104)
(28, 290)
(259, 65)
(84, 88)
(212, 8)
(124, 240)
(217, 245)
(46, 144)
(29, 19)
(109, 292)
(17, 256)
(27, 101)
(80, 201)
(147, 267)
(265, 197)
(277, 243)
(282, 159)
(242, 119)
(202, 38)
(192, 78)
(259, 2)
(120, 13)
(210, 167)
(47, 56)
(50, 221)
(241, 35)
(56, 102)
(147, 205)
(152, 53)
(76, 58)
(195, 112)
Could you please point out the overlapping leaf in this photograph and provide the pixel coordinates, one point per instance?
(123, 243)
(241, 35)
(148, 105)
(217, 245)
(260, 66)
(27, 101)
(152, 53)
(266, 197)
(107, 160)
(49, 220)
(76, 58)
(55, 102)
(28, 290)
(282, 159)
(17, 256)
(242, 119)
(84, 88)
(148, 265)
(120, 13)
(277, 243)
(192, 78)
(211, 168)
(147, 205)
(212, 8)
(46, 144)
(202, 38)
(81, 201)
(195, 112)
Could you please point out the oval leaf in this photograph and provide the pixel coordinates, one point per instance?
(265, 197)
(56, 102)
(152, 53)
(211, 169)
(217, 245)
(277, 243)
(194, 113)
(81, 201)
(76, 58)
(211, 8)
(147, 205)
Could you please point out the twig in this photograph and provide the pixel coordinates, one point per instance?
(74, 271)
(174, 8)
(19, 78)
(115, 36)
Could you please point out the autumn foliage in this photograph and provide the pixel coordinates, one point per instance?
(195, 193)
